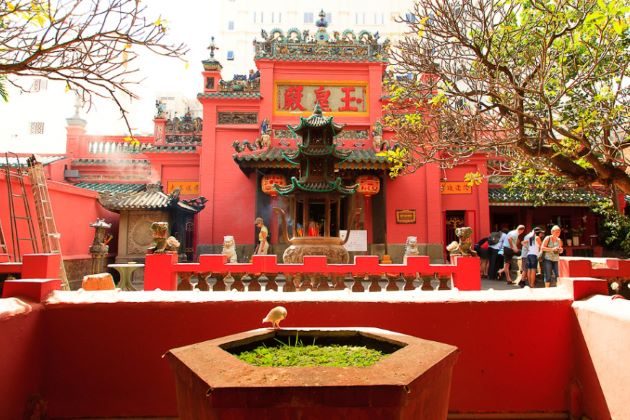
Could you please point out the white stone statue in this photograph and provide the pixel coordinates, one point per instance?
(411, 247)
(229, 249)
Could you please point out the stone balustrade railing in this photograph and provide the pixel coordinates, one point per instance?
(163, 272)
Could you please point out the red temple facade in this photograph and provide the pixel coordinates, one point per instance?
(241, 140)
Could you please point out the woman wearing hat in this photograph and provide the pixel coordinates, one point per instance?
(263, 244)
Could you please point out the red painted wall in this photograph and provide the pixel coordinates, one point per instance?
(74, 209)
(97, 352)
(412, 192)
(119, 351)
(21, 361)
(231, 193)
(179, 172)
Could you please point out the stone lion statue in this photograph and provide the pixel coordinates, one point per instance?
(464, 246)
(411, 247)
(229, 249)
(162, 243)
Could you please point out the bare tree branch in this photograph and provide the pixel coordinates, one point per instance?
(91, 45)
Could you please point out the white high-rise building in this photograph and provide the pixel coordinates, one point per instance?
(36, 120)
(242, 20)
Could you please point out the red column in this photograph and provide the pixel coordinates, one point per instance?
(467, 273)
(159, 130)
(433, 205)
(367, 214)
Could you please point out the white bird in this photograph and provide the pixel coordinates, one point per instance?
(276, 315)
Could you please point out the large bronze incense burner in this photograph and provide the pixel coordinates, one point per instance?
(330, 246)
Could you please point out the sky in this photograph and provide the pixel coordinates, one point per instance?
(192, 22)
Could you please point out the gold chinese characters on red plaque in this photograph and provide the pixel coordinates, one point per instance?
(185, 187)
(448, 187)
(406, 217)
(332, 97)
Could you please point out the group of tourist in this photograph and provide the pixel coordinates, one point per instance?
(533, 249)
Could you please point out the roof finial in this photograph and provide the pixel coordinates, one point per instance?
(212, 47)
(322, 22)
(317, 110)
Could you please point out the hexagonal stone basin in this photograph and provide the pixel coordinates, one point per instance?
(412, 382)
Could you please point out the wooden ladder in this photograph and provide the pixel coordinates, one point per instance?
(50, 237)
(18, 219)
(4, 250)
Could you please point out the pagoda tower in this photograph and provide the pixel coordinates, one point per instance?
(317, 184)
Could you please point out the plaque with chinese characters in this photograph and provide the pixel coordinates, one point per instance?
(185, 187)
(455, 188)
(406, 216)
(333, 98)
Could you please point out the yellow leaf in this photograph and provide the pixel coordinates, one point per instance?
(67, 87)
(160, 23)
(473, 178)
(186, 65)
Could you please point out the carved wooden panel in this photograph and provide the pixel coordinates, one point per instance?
(237, 118)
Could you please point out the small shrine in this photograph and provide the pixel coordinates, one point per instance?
(139, 210)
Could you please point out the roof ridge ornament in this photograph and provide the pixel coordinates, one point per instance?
(322, 22)
(154, 187)
(318, 110)
(212, 47)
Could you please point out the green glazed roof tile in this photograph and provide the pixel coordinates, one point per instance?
(110, 187)
(230, 95)
(569, 197)
(275, 154)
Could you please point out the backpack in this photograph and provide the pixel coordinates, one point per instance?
(494, 238)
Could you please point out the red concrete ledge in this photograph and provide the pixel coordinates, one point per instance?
(601, 345)
(36, 290)
(583, 287)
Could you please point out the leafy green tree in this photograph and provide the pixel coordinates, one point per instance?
(89, 45)
(537, 84)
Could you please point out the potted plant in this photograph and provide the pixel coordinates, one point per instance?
(412, 380)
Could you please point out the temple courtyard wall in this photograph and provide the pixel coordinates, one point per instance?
(74, 210)
(547, 353)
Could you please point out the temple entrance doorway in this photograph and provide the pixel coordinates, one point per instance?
(454, 219)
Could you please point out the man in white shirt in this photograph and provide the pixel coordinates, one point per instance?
(510, 248)
(494, 259)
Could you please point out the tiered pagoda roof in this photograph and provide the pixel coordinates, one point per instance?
(316, 187)
(274, 157)
(316, 155)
